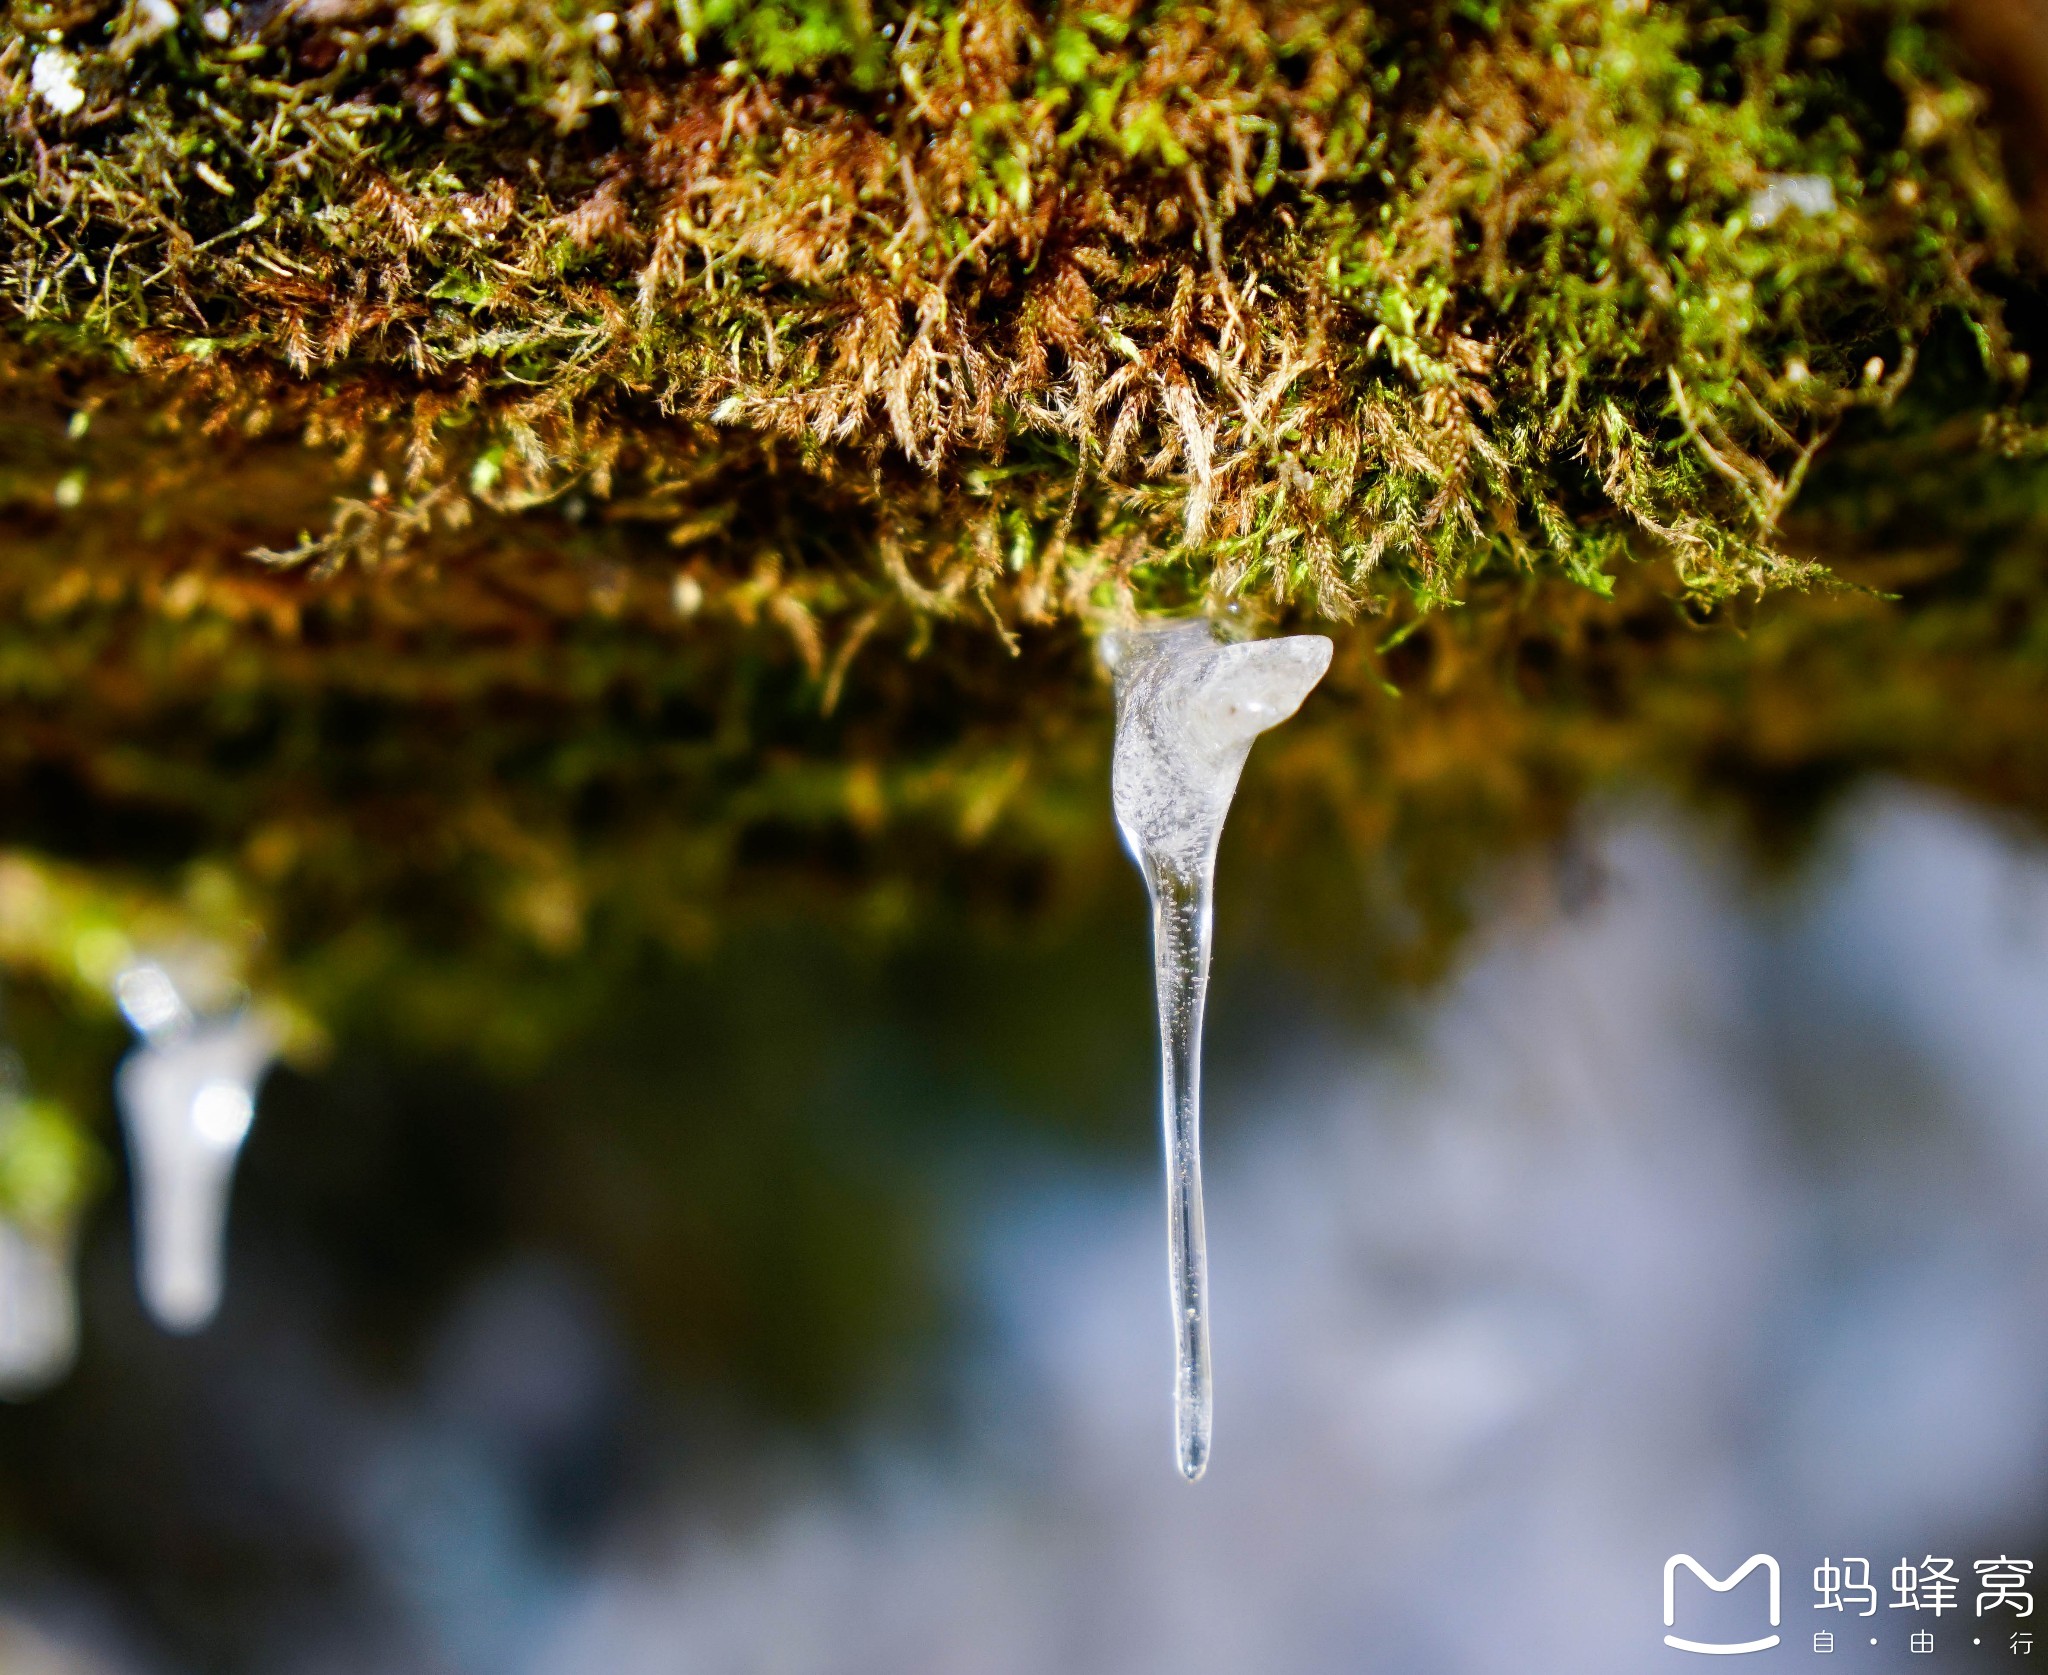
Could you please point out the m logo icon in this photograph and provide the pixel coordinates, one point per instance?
(1720, 1648)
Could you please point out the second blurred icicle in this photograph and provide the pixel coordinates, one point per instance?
(46, 1167)
(187, 1097)
(38, 1310)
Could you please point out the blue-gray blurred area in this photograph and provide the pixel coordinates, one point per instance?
(818, 1325)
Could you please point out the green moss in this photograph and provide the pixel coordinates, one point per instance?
(499, 481)
(47, 1167)
(1303, 301)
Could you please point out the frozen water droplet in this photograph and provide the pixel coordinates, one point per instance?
(221, 1114)
(1187, 711)
(150, 1001)
(38, 1311)
(188, 1097)
(1809, 194)
(54, 76)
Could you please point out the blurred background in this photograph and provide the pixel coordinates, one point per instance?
(807, 1312)
(626, 732)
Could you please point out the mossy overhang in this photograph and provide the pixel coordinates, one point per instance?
(490, 483)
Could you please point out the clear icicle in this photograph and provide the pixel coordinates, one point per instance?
(1187, 711)
(187, 1098)
(38, 1310)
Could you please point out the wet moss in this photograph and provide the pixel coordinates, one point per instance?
(499, 483)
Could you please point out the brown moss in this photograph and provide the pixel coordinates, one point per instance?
(1162, 302)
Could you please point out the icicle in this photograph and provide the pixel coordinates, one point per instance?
(187, 1097)
(38, 1310)
(1187, 710)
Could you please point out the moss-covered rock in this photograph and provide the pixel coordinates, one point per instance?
(499, 481)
